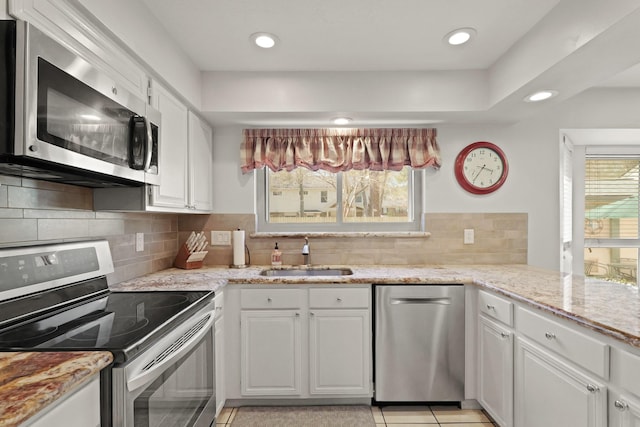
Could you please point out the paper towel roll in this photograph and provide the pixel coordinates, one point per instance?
(238, 248)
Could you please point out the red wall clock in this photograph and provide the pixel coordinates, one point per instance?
(481, 168)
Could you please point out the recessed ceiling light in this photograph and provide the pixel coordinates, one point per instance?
(341, 121)
(460, 36)
(264, 40)
(540, 95)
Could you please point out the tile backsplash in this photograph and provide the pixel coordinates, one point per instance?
(34, 211)
(500, 238)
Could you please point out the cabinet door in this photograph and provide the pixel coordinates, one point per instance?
(221, 392)
(172, 158)
(200, 164)
(549, 392)
(340, 352)
(270, 352)
(80, 409)
(495, 371)
(624, 411)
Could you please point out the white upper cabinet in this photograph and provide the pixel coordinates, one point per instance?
(173, 156)
(200, 164)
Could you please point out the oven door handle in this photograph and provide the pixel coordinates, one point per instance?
(181, 346)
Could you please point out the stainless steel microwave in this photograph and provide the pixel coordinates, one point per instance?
(63, 120)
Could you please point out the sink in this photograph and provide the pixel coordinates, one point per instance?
(306, 272)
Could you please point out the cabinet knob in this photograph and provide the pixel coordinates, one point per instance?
(297, 314)
(339, 299)
(312, 313)
(592, 388)
(491, 307)
(550, 336)
(33, 148)
(504, 334)
(621, 405)
(114, 90)
(268, 299)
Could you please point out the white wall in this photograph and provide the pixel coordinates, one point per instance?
(531, 146)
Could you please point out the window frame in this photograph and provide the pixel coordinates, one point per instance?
(415, 199)
(580, 153)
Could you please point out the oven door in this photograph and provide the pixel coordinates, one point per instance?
(171, 384)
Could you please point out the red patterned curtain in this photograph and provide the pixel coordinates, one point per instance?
(339, 149)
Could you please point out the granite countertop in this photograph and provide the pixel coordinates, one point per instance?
(29, 381)
(608, 308)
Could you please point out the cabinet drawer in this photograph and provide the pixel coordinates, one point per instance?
(271, 298)
(496, 307)
(580, 349)
(625, 370)
(339, 298)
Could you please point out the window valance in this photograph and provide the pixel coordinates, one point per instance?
(339, 149)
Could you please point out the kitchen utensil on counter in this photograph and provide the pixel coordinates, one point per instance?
(191, 254)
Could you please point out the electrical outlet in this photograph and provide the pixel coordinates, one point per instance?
(469, 236)
(220, 238)
(139, 242)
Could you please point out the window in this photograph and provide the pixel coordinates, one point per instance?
(355, 200)
(611, 213)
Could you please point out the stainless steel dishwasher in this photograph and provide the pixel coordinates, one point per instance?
(419, 343)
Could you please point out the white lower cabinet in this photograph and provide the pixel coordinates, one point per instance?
(80, 409)
(219, 351)
(624, 410)
(495, 371)
(271, 352)
(303, 343)
(550, 392)
(339, 351)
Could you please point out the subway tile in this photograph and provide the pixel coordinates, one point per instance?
(18, 230)
(11, 213)
(10, 180)
(62, 228)
(51, 213)
(106, 227)
(35, 198)
(4, 202)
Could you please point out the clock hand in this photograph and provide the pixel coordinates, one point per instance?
(476, 177)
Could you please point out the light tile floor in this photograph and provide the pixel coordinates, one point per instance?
(407, 416)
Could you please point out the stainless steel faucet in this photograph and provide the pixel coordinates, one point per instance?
(306, 252)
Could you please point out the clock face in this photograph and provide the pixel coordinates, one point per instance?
(481, 168)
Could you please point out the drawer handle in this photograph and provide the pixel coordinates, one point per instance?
(550, 336)
(339, 299)
(592, 388)
(491, 307)
(504, 334)
(621, 405)
(268, 299)
(297, 314)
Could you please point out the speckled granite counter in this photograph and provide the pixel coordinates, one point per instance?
(609, 308)
(30, 381)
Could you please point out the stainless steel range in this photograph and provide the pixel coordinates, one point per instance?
(55, 297)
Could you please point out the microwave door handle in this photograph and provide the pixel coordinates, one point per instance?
(170, 354)
(147, 161)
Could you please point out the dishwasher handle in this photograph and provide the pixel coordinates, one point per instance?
(415, 300)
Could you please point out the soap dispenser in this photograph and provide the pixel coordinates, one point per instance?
(276, 257)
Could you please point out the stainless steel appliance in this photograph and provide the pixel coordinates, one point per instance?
(419, 343)
(62, 119)
(55, 297)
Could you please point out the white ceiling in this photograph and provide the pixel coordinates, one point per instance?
(521, 45)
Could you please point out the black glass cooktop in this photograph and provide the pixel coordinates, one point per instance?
(120, 322)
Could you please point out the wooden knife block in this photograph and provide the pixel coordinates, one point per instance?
(181, 260)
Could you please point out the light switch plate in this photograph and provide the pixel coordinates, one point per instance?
(139, 242)
(469, 237)
(220, 238)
